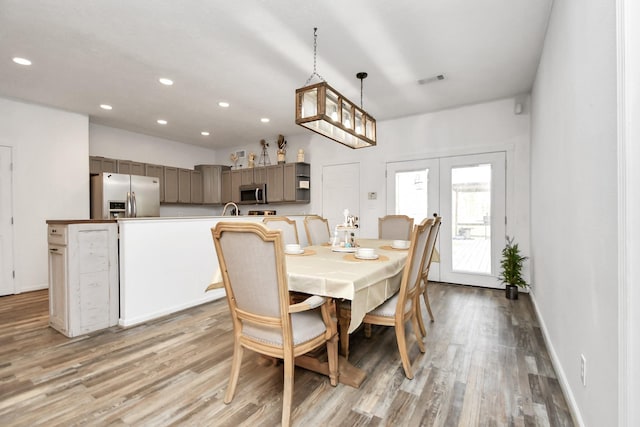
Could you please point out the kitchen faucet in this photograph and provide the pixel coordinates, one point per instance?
(236, 210)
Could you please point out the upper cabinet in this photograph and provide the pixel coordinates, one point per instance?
(297, 182)
(184, 186)
(156, 171)
(97, 165)
(212, 184)
(130, 168)
(275, 183)
(170, 184)
(286, 183)
(225, 190)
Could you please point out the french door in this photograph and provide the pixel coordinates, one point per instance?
(469, 193)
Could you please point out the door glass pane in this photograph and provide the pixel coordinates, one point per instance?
(412, 194)
(470, 222)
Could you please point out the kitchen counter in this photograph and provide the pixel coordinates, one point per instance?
(79, 221)
(166, 264)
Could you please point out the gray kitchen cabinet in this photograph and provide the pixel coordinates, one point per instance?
(83, 276)
(170, 184)
(212, 184)
(236, 182)
(275, 183)
(297, 182)
(130, 168)
(246, 176)
(260, 175)
(225, 188)
(196, 186)
(156, 171)
(98, 164)
(184, 186)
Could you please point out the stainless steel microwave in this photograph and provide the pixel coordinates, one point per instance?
(252, 194)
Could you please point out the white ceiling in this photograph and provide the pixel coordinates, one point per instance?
(255, 53)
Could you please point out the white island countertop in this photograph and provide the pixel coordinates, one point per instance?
(167, 263)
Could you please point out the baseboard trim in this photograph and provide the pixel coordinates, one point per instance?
(557, 366)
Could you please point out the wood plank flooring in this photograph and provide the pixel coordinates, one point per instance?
(485, 365)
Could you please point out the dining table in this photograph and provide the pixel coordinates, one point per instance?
(339, 273)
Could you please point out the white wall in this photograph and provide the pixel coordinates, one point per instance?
(465, 130)
(50, 180)
(124, 145)
(573, 202)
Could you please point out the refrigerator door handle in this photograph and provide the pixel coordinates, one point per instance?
(127, 209)
(134, 208)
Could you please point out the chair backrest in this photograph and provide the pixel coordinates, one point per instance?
(397, 227)
(287, 226)
(412, 271)
(253, 269)
(317, 229)
(431, 244)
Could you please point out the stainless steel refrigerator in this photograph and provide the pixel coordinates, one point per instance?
(115, 195)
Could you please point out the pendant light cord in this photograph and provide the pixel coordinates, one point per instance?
(315, 49)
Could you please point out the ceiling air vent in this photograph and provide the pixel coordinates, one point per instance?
(431, 79)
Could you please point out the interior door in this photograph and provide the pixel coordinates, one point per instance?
(340, 191)
(7, 284)
(469, 193)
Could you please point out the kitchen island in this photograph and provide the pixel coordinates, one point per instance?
(166, 264)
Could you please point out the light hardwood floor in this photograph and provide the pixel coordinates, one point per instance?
(485, 365)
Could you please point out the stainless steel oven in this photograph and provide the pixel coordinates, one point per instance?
(252, 194)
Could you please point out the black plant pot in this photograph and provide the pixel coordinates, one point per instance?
(511, 292)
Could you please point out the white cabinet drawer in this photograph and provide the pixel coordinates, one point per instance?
(57, 234)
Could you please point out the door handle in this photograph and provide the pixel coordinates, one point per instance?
(128, 212)
(134, 207)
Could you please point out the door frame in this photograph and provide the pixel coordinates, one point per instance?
(510, 178)
(7, 279)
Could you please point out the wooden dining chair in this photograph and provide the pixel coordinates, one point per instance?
(287, 226)
(424, 282)
(253, 268)
(317, 229)
(400, 308)
(396, 227)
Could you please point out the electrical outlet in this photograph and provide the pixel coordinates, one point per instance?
(583, 370)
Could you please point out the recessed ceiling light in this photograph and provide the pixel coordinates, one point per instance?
(106, 107)
(162, 122)
(264, 120)
(21, 61)
(204, 133)
(165, 81)
(223, 104)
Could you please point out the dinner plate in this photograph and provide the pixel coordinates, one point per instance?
(301, 251)
(374, 256)
(341, 249)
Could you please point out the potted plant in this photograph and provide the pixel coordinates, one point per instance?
(511, 269)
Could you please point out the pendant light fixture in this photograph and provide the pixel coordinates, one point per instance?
(324, 110)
